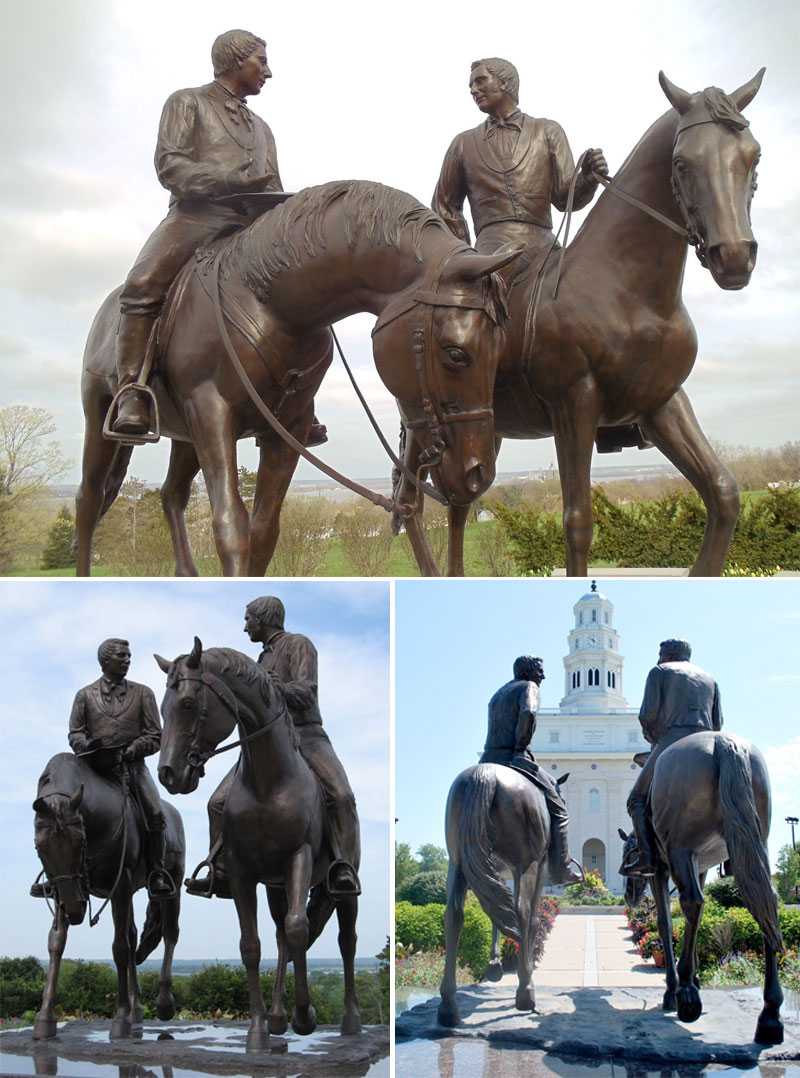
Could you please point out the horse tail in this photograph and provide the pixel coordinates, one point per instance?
(152, 931)
(743, 835)
(116, 477)
(475, 855)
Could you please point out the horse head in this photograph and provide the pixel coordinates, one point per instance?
(60, 840)
(453, 324)
(199, 712)
(634, 885)
(714, 160)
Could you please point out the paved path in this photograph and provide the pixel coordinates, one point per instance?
(590, 950)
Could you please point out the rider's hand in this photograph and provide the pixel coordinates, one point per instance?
(244, 184)
(128, 755)
(93, 744)
(594, 161)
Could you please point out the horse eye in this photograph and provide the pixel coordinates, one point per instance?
(457, 358)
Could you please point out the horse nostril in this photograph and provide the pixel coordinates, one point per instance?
(165, 775)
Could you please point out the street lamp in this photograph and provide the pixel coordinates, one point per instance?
(792, 820)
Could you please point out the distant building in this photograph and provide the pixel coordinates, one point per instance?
(593, 735)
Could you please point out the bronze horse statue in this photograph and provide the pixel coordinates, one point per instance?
(495, 816)
(88, 838)
(710, 803)
(273, 828)
(273, 290)
(606, 359)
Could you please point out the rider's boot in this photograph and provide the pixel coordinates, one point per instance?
(215, 882)
(159, 882)
(342, 880)
(38, 890)
(133, 413)
(318, 434)
(645, 863)
(559, 861)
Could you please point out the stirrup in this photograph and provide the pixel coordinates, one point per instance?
(579, 867)
(113, 409)
(193, 881)
(336, 892)
(159, 895)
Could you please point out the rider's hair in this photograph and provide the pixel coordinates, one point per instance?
(232, 48)
(268, 608)
(675, 651)
(528, 668)
(108, 647)
(504, 71)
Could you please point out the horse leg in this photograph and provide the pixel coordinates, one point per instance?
(528, 889)
(298, 882)
(660, 888)
(277, 1021)
(98, 459)
(45, 1025)
(276, 466)
(122, 911)
(215, 442)
(456, 524)
(676, 432)
(453, 923)
(245, 899)
(137, 1014)
(683, 864)
(494, 971)
(170, 915)
(769, 1029)
(575, 427)
(175, 494)
(347, 912)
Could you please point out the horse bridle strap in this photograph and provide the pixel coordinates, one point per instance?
(608, 183)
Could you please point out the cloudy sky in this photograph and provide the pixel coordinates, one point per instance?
(456, 644)
(372, 92)
(50, 633)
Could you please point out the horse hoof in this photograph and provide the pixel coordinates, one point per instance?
(525, 1001)
(494, 971)
(304, 1021)
(44, 1029)
(257, 1039)
(669, 1003)
(121, 1028)
(166, 1007)
(690, 1006)
(448, 1015)
(351, 1023)
(769, 1031)
(278, 1024)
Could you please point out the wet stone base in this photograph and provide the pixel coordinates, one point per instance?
(203, 1048)
(625, 1024)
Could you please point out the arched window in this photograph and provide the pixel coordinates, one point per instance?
(594, 615)
(605, 617)
(594, 676)
(613, 681)
(608, 678)
(594, 800)
(579, 680)
(580, 618)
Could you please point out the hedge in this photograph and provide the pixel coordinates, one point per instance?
(422, 927)
(425, 888)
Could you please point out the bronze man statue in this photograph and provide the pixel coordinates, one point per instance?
(512, 722)
(114, 723)
(209, 144)
(291, 659)
(510, 168)
(679, 699)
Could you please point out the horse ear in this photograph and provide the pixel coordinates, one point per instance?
(76, 798)
(563, 779)
(165, 664)
(468, 265)
(622, 834)
(678, 98)
(193, 660)
(748, 90)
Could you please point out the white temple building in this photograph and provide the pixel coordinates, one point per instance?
(593, 735)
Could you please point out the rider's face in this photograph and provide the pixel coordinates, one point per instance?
(252, 625)
(486, 89)
(254, 71)
(117, 663)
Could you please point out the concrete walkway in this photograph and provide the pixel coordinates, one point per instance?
(591, 950)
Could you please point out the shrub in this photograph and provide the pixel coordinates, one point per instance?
(475, 944)
(87, 988)
(218, 988)
(790, 927)
(590, 891)
(365, 533)
(21, 984)
(424, 888)
(536, 538)
(725, 891)
(58, 552)
(420, 927)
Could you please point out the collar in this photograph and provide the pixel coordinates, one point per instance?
(493, 124)
(230, 96)
(107, 686)
(272, 640)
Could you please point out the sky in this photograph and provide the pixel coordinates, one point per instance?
(50, 632)
(457, 641)
(373, 92)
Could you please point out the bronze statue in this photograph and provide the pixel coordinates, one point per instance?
(709, 804)
(291, 658)
(603, 360)
(101, 829)
(510, 168)
(209, 145)
(498, 815)
(512, 724)
(273, 826)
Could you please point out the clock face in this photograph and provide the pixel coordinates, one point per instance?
(592, 641)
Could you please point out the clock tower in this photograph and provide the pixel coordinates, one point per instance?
(593, 667)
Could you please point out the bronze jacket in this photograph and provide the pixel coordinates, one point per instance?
(292, 659)
(519, 188)
(125, 716)
(512, 716)
(679, 694)
(205, 137)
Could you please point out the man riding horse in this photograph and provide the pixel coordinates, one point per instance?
(291, 659)
(510, 168)
(679, 699)
(114, 723)
(209, 145)
(512, 723)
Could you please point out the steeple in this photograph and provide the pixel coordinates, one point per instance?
(593, 666)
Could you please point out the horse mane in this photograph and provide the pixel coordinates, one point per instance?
(241, 666)
(61, 775)
(723, 110)
(371, 211)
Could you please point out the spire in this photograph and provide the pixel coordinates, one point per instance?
(593, 666)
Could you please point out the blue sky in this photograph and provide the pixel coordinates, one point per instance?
(456, 642)
(50, 632)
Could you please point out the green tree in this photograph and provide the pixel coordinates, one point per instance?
(788, 873)
(405, 867)
(432, 858)
(59, 553)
